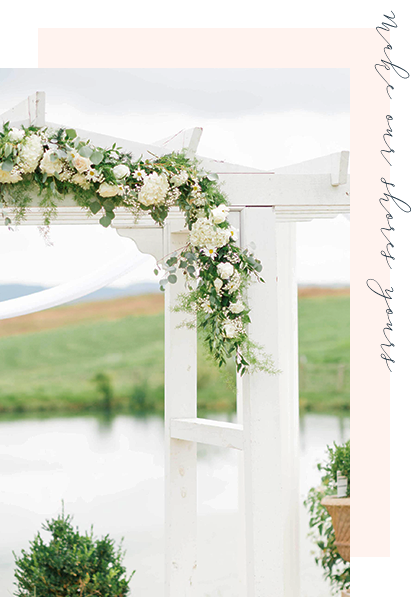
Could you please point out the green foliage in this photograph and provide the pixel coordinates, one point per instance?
(71, 564)
(57, 163)
(335, 568)
(104, 386)
(51, 370)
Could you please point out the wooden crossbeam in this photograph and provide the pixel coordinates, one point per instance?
(205, 431)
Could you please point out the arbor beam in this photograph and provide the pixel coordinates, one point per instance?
(205, 431)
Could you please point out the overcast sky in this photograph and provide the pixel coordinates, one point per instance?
(264, 118)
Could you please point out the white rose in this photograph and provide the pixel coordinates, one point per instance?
(237, 307)
(108, 190)
(81, 164)
(219, 213)
(225, 270)
(179, 179)
(16, 135)
(230, 329)
(121, 171)
(49, 166)
(218, 284)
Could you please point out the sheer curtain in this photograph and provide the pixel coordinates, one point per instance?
(69, 291)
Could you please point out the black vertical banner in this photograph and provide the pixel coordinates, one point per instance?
(390, 19)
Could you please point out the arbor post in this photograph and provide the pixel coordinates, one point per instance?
(180, 455)
(271, 414)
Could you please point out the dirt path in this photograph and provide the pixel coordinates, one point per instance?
(148, 304)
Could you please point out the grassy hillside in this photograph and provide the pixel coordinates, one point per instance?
(81, 364)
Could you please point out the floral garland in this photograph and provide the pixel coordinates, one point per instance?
(216, 270)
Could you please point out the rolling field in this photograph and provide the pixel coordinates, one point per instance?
(110, 353)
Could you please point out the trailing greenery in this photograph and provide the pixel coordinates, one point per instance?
(55, 370)
(335, 568)
(56, 163)
(71, 564)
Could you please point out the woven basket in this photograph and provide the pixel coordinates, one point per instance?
(339, 510)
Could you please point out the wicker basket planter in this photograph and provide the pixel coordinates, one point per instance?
(339, 510)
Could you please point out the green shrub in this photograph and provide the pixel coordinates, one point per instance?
(71, 565)
(335, 568)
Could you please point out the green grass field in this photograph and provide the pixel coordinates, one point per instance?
(55, 370)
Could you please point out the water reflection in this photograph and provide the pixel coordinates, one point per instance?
(109, 471)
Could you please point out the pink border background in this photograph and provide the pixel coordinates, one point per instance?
(359, 50)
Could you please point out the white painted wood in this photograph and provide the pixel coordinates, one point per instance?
(339, 168)
(146, 150)
(187, 140)
(206, 431)
(269, 416)
(180, 455)
(242, 544)
(30, 111)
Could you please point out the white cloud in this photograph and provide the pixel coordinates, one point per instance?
(259, 140)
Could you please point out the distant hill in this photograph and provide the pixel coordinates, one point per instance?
(10, 291)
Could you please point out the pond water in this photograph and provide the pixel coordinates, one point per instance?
(109, 472)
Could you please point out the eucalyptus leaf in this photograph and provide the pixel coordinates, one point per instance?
(109, 205)
(7, 166)
(96, 157)
(8, 149)
(105, 221)
(95, 206)
(172, 278)
(85, 151)
(70, 133)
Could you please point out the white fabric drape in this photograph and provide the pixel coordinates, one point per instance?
(70, 291)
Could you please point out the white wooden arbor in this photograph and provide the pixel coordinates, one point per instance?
(265, 206)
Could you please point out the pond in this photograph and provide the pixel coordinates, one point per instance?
(109, 472)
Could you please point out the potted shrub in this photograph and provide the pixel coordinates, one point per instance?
(71, 564)
(330, 517)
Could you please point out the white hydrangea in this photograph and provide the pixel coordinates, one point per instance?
(16, 135)
(237, 307)
(179, 179)
(234, 284)
(225, 270)
(109, 190)
(10, 177)
(154, 189)
(219, 213)
(30, 153)
(205, 234)
(49, 166)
